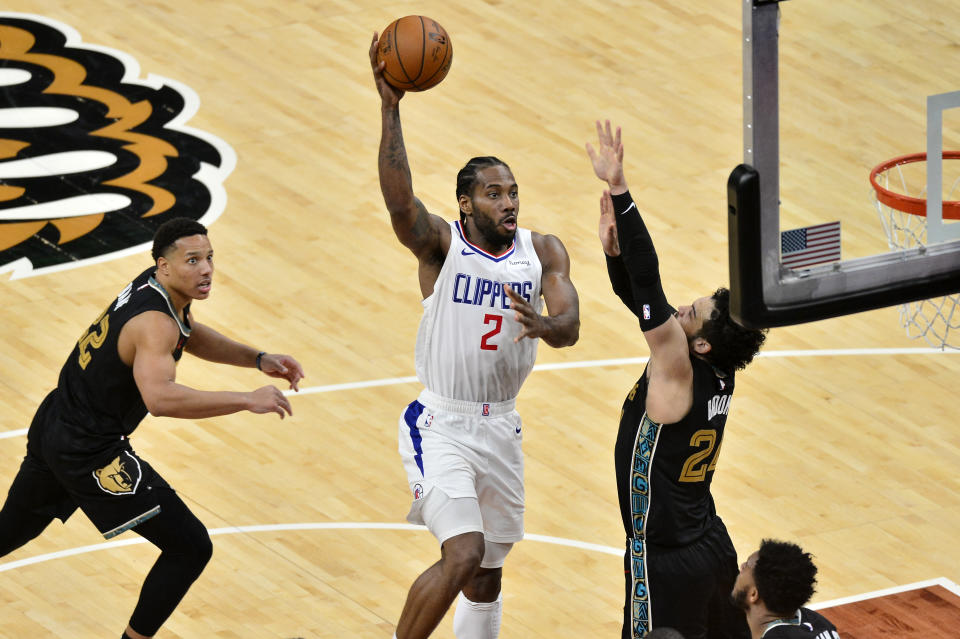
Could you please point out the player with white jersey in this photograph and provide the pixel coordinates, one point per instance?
(484, 282)
(471, 290)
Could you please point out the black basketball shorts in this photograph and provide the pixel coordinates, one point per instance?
(686, 588)
(114, 487)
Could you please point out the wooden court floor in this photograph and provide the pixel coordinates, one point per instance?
(928, 610)
(843, 436)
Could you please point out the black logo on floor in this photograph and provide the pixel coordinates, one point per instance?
(92, 157)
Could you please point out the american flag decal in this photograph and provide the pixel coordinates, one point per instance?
(800, 248)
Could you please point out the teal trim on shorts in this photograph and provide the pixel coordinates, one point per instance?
(133, 522)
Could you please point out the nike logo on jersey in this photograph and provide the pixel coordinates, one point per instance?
(466, 252)
(633, 205)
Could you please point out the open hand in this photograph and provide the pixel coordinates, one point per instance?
(269, 399)
(607, 159)
(282, 366)
(534, 324)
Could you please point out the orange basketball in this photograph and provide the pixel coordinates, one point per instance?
(418, 53)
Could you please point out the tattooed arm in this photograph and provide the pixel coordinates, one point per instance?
(427, 235)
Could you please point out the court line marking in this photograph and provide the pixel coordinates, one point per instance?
(559, 541)
(939, 581)
(594, 363)
(234, 530)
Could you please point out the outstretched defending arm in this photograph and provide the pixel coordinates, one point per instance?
(671, 373)
(616, 271)
(639, 260)
(626, 242)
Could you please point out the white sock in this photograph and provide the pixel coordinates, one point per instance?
(472, 620)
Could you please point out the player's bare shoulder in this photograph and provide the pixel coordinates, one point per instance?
(149, 330)
(551, 251)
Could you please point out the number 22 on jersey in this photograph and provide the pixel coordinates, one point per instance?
(93, 338)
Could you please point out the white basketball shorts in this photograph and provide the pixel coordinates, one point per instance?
(466, 449)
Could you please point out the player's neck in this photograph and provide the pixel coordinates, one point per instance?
(178, 300)
(480, 241)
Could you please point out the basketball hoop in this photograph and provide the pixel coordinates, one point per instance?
(903, 215)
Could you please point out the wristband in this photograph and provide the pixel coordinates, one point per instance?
(259, 357)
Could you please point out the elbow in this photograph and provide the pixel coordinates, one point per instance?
(156, 411)
(159, 407)
(162, 397)
(574, 334)
(565, 338)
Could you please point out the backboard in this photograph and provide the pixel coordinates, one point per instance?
(764, 293)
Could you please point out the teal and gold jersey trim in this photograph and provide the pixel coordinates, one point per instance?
(158, 287)
(639, 594)
(643, 450)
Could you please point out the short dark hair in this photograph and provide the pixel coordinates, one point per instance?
(172, 230)
(784, 575)
(732, 346)
(467, 177)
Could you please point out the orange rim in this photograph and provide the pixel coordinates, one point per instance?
(907, 203)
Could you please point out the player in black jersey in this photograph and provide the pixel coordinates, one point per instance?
(773, 585)
(124, 365)
(679, 562)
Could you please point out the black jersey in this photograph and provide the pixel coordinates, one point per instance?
(664, 471)
(807, 624)
(97, 395)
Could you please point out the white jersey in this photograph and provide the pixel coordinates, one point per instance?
(465, 348)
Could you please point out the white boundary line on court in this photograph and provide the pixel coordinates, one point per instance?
(234, 530)
(594, 363)
(559, 541)
(939, 581)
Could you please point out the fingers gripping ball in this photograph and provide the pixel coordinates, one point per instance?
(417, 51)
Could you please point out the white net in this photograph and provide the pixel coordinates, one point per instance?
(936, 320)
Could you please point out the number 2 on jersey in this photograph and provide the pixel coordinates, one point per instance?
(497, 321)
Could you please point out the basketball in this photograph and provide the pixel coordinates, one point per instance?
(418, 53)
